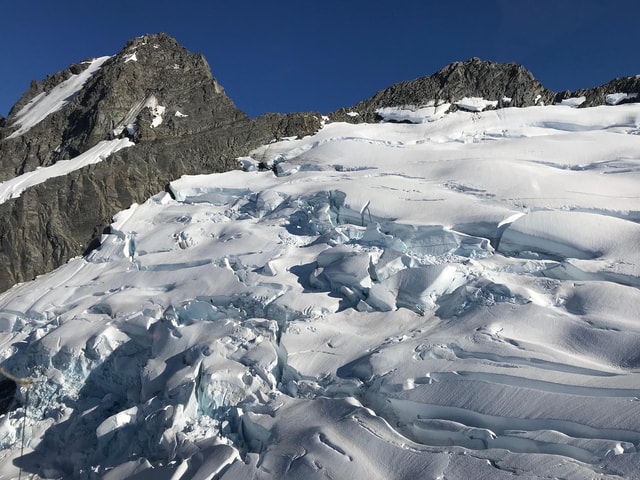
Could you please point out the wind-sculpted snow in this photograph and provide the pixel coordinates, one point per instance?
(453, 298)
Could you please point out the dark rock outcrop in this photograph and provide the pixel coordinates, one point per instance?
(149, 71)
(7, 394)
(598, 95)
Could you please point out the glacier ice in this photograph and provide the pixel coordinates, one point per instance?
(392, 303)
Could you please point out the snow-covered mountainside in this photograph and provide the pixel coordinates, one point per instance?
(63, 155)
(452, 298)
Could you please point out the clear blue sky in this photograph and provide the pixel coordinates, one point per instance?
(284, 56)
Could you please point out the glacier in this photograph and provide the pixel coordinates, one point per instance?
(455, 297)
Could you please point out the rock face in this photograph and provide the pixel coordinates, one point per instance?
(606, 94)
(155, 92)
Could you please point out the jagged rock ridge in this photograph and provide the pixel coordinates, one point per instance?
(598, 95)
(149, 70)
(506, 84)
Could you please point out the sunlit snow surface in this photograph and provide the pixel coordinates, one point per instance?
(13, 187)
(47, 103)
(450, 299)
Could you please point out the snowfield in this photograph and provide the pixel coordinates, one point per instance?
(453, 298)
(47, 103)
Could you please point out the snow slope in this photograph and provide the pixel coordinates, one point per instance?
(13, 187)
(47, 103)
(455, 298)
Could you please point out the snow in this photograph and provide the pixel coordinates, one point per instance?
(150, 102)
(412, 114)
(573, 101)
(131, 57)
(157, 111)
(14, 187)
(475, 104)
(47, 103)
(455, 297)
(616, 98)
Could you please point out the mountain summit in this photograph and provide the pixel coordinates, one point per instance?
(509, 85)
(152, 79)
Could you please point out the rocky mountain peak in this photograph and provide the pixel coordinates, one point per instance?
(506, 84)
(617, 91)
(477, 85)
(139, 92)
(160, 48)
(476, 76)
(492, 81)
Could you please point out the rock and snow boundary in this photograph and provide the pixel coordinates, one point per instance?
(14, 187)
(47, 103)
(453, 298)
